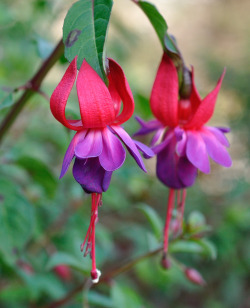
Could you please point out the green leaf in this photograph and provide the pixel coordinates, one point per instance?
(98, 299)
(170, 45)
(196, 246)
(67, 259)
(16, 220)
(124, 297)
(185, 246)
(153, 218)
(39, 172)
(209, 248)
(156, 19)
(84, 33)
(6, 100)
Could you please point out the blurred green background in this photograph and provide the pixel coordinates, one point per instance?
(43, 220)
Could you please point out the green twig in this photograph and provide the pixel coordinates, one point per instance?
(105, 278)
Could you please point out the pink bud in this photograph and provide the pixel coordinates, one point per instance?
(165, 262)
(194, 276)
(63, 272)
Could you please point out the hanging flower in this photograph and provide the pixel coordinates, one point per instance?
(182, 142)
(97, 145)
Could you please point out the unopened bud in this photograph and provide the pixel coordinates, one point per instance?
(95, 275)
(165, 262)
(63, 272)
(194, 276)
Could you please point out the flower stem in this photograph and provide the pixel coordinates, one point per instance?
(31, 87)
(170, 207)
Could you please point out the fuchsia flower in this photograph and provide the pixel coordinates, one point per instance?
(185, 142)
(96, 146)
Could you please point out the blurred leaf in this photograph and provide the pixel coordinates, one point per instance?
(153, 218)
(44, 48)
(196, 219)
(156, 19)
(16, 220)
(6, 100)
(98, 299)
(196, 246)
(185, 246)
(170, 45)
(43, 284)
(67, 259)
(84, 33)
(124, 297)
(39, 172)
(209, 248)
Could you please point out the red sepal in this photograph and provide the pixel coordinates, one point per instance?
(60, 96)
(120, 85)
(164, 95)
(205, 109)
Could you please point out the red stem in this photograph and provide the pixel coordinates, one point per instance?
(170, 207)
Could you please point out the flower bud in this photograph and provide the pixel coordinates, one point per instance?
(165, 262)
(63, 272)
(194, 276)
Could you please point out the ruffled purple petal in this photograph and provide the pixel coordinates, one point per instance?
(186, 172)
(147, 127)
(157, 136)
(91, 145)
(90, 174)
(147, 152)
(196, 151)
(181, 141)
(70, 153)
(174, 171)
(167, 138)
(215, 149)
(113, 154)
(130, 145)
(219, 134)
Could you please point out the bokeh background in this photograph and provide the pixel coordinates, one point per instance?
(43, 220)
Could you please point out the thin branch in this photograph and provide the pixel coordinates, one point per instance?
(105, 278)
(34, 86)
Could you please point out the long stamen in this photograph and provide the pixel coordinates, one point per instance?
(170, 207)
(181, 207)
(90, 236)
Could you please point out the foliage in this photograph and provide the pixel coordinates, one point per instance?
(43, 220)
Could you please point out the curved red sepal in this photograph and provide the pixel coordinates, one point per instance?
(164, 95)
(120, 85)
(60, 96)
(205, 109)
(96, 105)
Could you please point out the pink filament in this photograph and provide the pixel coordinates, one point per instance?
(170, 207)
(181, 199)
(90, 236)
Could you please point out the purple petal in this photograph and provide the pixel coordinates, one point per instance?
(174, 171)
(91, 145)
(129, 143)
(216, 150)
(181, 141)
(186, 172)
(159, 147)
(147, 152)
(70, 153)
(219, 134)
(90, 174)
(196, 151)
(113, 154)
(147, 127)
(157, 136)
(224, 130)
